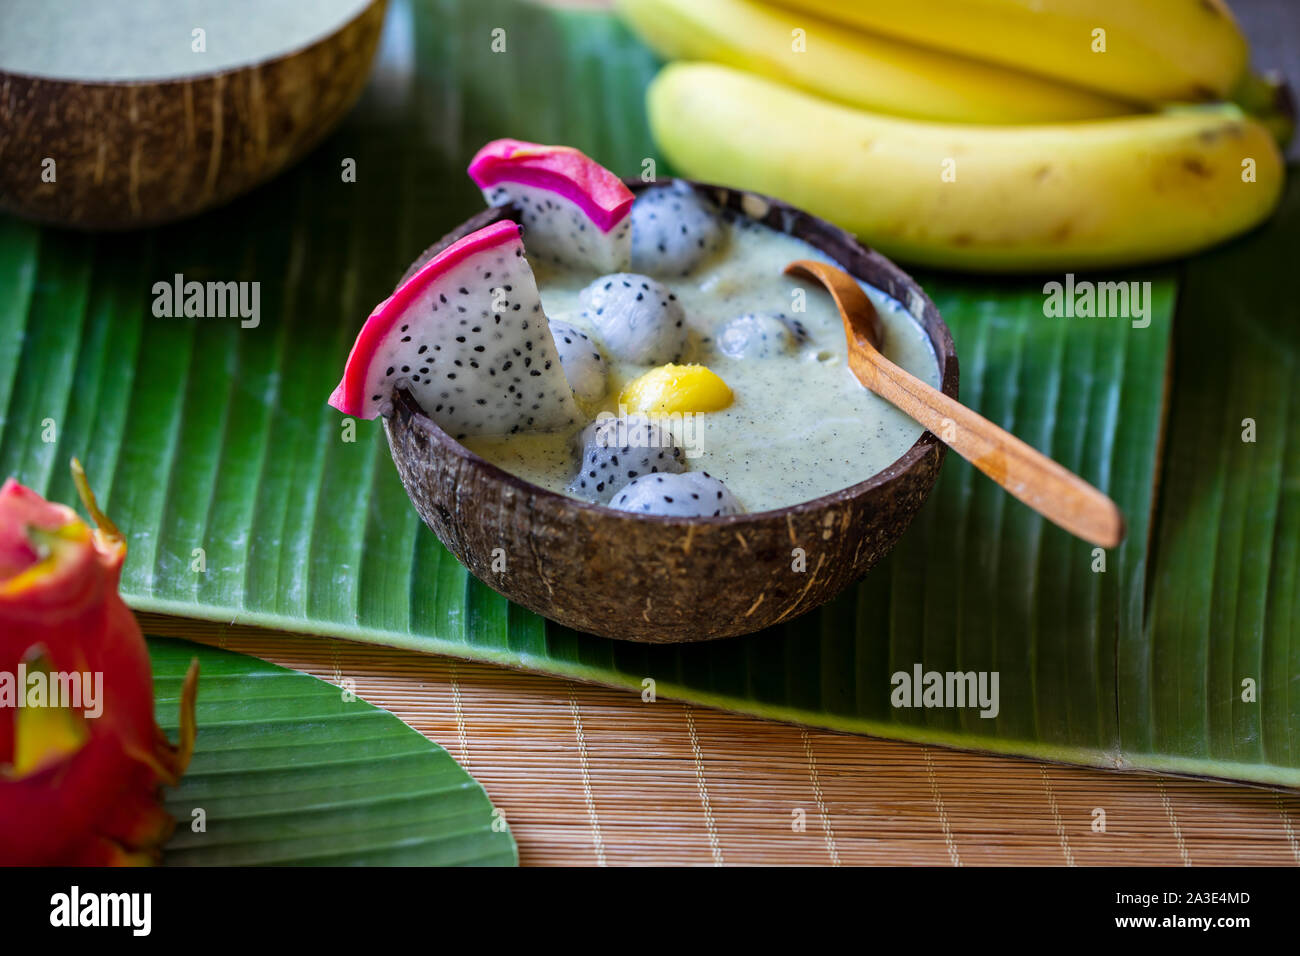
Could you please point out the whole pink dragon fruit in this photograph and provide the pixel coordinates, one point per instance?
(77, 786)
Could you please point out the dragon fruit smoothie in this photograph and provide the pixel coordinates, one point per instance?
(800, 425)
(645, 353)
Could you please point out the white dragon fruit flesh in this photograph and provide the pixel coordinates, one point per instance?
(691, 494)
(614, 451)
(674, 228)
(574, 211)
(584, 366)
(639, 319)
(759, 335)
(467, 337)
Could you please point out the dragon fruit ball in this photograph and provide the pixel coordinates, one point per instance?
(691, 494)
(758, 335)
(614, 451)
(584, 366)
(674, 229)
(638, 318)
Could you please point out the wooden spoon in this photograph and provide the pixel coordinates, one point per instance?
(1057, 494)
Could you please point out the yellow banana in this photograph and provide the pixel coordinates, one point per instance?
(857, 68)
(1154, 51)
(987, 198)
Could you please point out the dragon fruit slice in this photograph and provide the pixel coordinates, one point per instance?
(693, 494)
(639, 319)
(584, 366)
(615, 451)
(673, 230)
(78, 788)
(575, 211)
(467, 337)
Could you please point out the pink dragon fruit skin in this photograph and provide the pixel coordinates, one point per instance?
(77, 789)
(575, 211)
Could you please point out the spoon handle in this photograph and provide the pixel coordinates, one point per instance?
(1053, 491)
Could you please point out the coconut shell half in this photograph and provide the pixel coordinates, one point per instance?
(657, 579)
(128, 154)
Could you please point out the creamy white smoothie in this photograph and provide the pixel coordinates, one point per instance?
(106, 40)
(800, 425)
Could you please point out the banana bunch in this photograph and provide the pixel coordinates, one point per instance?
(990, 135)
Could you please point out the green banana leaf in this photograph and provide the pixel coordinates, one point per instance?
(288, 770)
(1211, 684)
(245, 500)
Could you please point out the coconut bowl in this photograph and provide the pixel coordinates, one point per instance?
(659, 579)
(131, 153)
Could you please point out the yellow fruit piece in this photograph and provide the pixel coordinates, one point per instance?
(676, 388)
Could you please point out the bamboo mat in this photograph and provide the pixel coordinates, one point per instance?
(587, 775)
